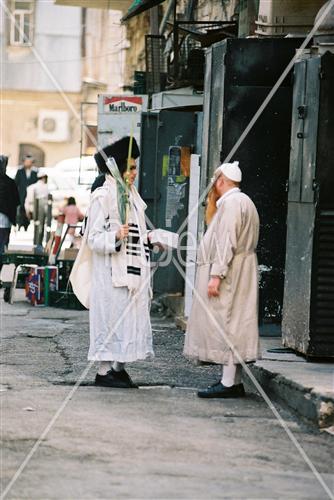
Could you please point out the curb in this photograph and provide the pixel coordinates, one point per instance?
(315, 407)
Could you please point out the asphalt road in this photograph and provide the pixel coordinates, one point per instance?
(158, 442)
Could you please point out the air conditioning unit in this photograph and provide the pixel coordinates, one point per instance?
(53, 126)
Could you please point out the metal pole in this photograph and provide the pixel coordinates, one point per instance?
(166, 17)
(46, 285)
(36, 221)
(154, 25)
(49, 218)
(176, 44)
(154, 20)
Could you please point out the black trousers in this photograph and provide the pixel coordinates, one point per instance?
(4, 240)
(22, 219)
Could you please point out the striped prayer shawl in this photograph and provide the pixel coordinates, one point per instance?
(134, 251)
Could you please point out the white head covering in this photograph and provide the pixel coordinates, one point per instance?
(42, 172)
(230, 170)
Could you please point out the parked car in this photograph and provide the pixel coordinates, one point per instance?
(84, 169)
(72, 177)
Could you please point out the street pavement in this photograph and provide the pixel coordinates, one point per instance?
(158, 442)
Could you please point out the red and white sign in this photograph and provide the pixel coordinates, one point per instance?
(122, 104)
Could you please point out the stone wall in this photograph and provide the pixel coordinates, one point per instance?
(139, 26)
(215, 10)
(209, 10)
(20, 114)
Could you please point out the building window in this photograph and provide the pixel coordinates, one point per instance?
(21, 22)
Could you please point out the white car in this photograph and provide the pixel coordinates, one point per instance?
(72, 177)
(84, 169)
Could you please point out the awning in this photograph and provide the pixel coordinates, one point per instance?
(122, 5)
(139, 6)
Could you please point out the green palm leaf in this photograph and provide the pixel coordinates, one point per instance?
(122, 189)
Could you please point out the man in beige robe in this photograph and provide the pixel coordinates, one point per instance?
(223, 323)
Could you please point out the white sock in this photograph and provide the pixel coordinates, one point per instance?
(104, 367)
(118, 367)
(230, 373)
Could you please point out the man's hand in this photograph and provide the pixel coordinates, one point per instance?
(213, 286)
(160, 247)
(123, 232)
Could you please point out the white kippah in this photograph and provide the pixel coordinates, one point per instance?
(231, 171)
(42, 172)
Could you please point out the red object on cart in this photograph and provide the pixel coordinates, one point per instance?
(58, 235)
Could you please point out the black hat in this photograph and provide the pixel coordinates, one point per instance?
(3, 160)
(3, 163)
(118, 150)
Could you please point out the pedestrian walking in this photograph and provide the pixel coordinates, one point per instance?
(38, 191)
(73, 215)
(111, 274)
(25, 176)
(224, 317)
(9, 201)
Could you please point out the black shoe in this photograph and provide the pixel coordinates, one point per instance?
(125, 377)
(220, 391)
(112, 379)
(6, 294)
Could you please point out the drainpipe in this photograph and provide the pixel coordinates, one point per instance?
(154, 20)
(175, 43)
(166, 17)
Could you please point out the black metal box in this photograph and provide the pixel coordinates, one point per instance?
(163, 186)
(308, 313)
(240, 73)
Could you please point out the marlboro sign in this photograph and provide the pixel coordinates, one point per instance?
(122, 104)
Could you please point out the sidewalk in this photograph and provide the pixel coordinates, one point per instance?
(305, 387)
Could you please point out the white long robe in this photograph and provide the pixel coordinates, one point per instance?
(228, 250)
(120, 327)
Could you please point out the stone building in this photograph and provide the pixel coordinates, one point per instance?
(139, 26)
(53, 59)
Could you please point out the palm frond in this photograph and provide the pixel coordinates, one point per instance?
(122, 189)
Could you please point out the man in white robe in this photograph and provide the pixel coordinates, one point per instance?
(119, 268)
(223, 323)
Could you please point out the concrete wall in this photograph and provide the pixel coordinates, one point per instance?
(136, 29)
(30, 85)
(56, 40)
(20, 114)
(81, 61)
(106, 44)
